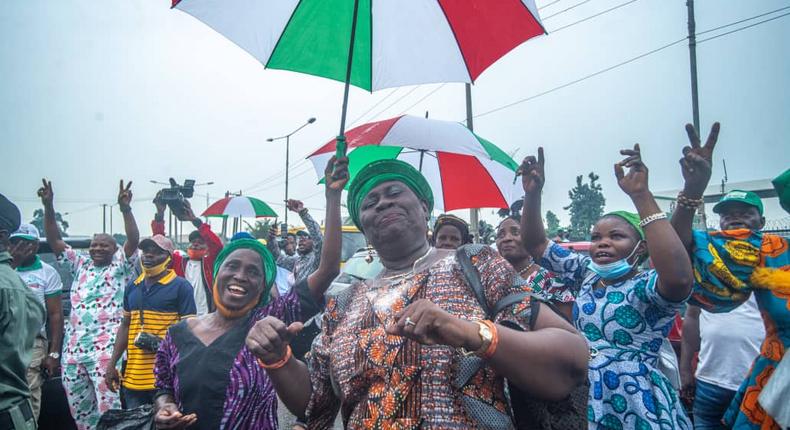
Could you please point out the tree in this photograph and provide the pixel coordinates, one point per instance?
(586, 206)
(486, 232)
(260, 230)
(552, 224)
(38, 221)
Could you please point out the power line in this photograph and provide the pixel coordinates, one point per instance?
(566, 10)
(549, 4)
(374, 106)
(584, 78)
(592, 16)
(423, 98)
(631, 60)
(699, 33)
(394, 103)
(743, 28)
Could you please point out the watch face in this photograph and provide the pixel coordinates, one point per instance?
(486, 334)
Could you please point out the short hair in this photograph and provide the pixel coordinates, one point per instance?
(195, 235)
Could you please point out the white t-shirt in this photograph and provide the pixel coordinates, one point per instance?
(194, 274)
(44, 281)
(729, 342)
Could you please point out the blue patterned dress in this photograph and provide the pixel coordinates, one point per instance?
(625, 325)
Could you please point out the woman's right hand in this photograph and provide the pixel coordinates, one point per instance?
(532, 173)
(169, 417)
(269, 338)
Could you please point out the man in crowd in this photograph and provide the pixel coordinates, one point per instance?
(308, 248)
(96, 307)
(21, 317)
(727, 342)
(152, 303)
(289, 247)
(45, 283)
(203, 248)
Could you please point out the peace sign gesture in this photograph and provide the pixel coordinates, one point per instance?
(634, 182)
(46, 193)
(124, 194)
(696, 164)
(532, 173)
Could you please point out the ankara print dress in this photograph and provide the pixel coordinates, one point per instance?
(625, 325)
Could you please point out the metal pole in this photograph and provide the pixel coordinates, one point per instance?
(473, 213)
(287, 155)
(111, 219)
(693, 62)
(104, 218)
(341, 137)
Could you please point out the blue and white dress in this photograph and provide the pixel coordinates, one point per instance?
(625, 325)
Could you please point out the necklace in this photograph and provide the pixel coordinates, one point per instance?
(524, 271)
(407, 273)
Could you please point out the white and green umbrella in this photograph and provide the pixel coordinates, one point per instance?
(464, 170)
(373, 44)
(239, 206)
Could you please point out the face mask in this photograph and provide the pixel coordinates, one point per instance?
(196, 254)
(617, 269)
(151, 272)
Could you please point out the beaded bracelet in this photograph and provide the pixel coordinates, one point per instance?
(278, 364)
(651, 218)
(688, 203)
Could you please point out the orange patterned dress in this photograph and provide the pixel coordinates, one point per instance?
(379, 381)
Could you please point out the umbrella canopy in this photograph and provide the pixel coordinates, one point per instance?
(464, 170)
(239, 206)
(395, 43)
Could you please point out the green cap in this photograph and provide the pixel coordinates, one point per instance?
(746, 197)
(782, 186)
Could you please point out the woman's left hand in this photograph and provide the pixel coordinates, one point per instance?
(426, 323)
(635, 181)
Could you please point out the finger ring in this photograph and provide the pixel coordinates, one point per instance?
(410, 322)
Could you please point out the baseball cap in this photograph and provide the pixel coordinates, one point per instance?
(746, 197)
(27, 232)
(161, 242)
(302, 233)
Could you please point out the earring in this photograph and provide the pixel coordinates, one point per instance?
(369, 258)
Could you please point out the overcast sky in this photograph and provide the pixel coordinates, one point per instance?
(98, 91)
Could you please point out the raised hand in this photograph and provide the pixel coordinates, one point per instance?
(187, 214)
(169, 417)
(697, 161)
(269, 338)
(532, 173)
(336, 174)
(426, 323)
(124, 194)
(160, 205)
(46, 193)
(635, 181)
(294, 205)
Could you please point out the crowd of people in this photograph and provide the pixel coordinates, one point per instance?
(526, 334)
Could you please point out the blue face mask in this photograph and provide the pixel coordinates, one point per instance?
(615, 270)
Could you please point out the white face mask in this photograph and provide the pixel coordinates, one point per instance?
(616, 269)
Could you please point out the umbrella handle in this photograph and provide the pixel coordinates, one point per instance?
(340, 147)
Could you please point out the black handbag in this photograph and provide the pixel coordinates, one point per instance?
(527, 412)
(139, 418)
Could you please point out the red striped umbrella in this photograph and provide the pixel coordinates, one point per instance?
(240, 206)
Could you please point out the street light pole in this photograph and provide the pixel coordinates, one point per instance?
(287, 138)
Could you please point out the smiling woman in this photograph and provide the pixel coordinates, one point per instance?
(397, 348)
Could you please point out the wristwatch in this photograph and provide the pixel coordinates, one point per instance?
(486, 336)
(55, 355)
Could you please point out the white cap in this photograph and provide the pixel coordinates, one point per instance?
(27, 232)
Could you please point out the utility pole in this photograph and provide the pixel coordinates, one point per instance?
(473, 212)
(104, 217)
(287, 138)
(693, 63)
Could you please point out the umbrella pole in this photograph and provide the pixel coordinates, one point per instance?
(341, 137)
(473, 212)
(422, 155)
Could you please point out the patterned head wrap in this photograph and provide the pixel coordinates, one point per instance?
(382, 171)
(269, 267)
(447, 219)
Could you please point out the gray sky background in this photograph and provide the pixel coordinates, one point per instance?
(98, 91)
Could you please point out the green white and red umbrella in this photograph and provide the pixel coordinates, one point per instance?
(373, 44)
(464, 170)
(239, 206)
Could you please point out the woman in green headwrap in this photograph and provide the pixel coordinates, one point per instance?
(413, 347)
(624, 312)
(206, 375)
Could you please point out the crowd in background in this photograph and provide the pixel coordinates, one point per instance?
(450, 334)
